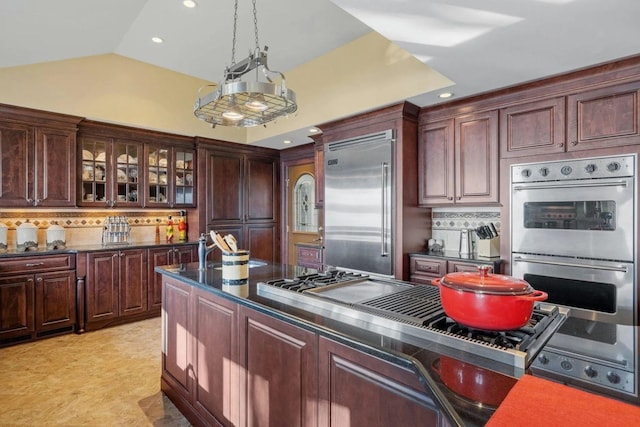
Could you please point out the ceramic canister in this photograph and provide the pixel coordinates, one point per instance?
(26, 237)
(56, 237)
(235, 267)
(3, 237)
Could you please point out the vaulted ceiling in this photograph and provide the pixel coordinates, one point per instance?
(346, 56)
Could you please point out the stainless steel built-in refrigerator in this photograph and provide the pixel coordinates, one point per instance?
(358, 203)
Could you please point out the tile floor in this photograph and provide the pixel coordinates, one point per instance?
(109, 377)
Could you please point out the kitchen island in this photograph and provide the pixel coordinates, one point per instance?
(232, 356)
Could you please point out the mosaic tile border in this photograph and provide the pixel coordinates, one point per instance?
(43, 219)
(455, 221)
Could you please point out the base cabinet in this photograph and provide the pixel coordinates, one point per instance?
(228, 364)
(37, 297)
(116, 286)
(426, 268)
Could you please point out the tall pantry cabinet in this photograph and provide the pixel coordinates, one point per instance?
(239, 195)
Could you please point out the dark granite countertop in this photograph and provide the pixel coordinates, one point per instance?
(425, 362)
(455, 256)
(88, 248)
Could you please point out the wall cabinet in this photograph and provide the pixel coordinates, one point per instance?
(129, 167)
(533, 128)
(171, 179)
(242, 199)
(179, 254)
(458, 160)
(605, 117)
(425, 268)
(116, 286)
(37, 297)
(37, 155)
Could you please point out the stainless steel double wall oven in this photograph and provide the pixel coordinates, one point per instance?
(573, 236)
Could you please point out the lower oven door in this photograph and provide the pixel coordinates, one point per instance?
(583, 218)
(601, 291)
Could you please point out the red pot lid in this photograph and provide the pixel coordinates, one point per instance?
(484, 282)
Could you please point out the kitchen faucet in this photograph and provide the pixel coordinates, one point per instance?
(203, 251)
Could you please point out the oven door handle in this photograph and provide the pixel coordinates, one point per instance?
(620, 268)
(574, 185)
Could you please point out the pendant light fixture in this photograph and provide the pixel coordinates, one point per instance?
(240, 103)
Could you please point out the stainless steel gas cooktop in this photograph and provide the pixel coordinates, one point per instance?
(414, 314)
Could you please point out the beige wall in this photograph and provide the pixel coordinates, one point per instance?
(365, 74)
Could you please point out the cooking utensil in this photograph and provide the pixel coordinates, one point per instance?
(231, 242)
(492, 302)
(471, 382)
(493, 229)
(465, 243)
(219, 242)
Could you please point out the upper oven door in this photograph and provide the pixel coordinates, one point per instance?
(580, 218)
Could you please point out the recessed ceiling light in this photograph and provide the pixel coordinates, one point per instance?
(189, 3)
(287, 141)
(314, 130)
(445, 95)
(157, 39)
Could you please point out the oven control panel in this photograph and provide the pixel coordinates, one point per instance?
(591, 168)
(595, 375)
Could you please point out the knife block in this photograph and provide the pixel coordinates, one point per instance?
(489, 248)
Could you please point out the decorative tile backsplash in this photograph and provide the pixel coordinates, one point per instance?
(84, 227)
(446, 224)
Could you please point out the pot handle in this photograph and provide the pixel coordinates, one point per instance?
(435, 282)
(534, 296)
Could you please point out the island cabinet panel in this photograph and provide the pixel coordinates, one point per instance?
(177, 339)
(357, 389)
(604, 117)
(216, 392)
(16, 306)
(165, 256)
(280, 375)
(533, 128)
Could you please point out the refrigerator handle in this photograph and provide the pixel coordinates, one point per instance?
(385, 170)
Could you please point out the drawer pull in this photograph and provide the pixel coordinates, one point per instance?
(34, 264)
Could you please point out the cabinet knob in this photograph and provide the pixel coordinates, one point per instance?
(560, 144)
(39, 279)
(114, 255)
(449, 198)
(121, 254)
(574, 143)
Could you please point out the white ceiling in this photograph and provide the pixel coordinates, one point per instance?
(480, 45)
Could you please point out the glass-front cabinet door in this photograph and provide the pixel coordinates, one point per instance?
(127, 155)
(170, 176)
(184, 193)
(109, 173)
(94, 171)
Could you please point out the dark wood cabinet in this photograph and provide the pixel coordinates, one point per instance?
(309, 256)
(279, 387)
(604, 117)
(37, 297)
(358, 389)
(17, 296)
(241, 198)
(55, 301)
(425, 268)
(164, 255)
(129, 167)
(116, 286)
(458, 161)
(38, 158)
(170, 176)
(533, 128)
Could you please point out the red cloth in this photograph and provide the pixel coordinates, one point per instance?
(537, 402)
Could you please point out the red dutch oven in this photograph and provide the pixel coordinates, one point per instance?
(492, 302)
